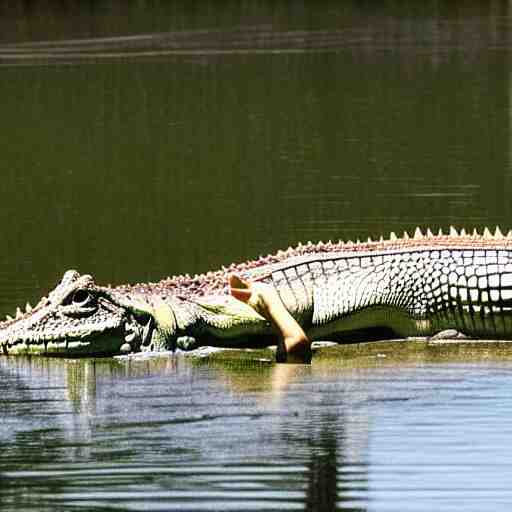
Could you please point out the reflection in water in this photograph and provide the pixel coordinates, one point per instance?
(128, 433)
(81, 386)
(323, 469)
(177, 27)
(182, 433)
(324, 434)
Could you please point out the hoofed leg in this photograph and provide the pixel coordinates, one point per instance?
(294, 346)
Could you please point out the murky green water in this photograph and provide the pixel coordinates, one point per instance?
(141, 139)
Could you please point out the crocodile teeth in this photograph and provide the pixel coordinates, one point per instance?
(498, 233)
(440, 232)
(392, 236)
(430, 234)
(463, 232)
(10, 318)
(487, 234)
(19, 314)
(405, 236)
(453, 231)
(418, 234)
(475, 233)
(28, 308)
(509, 234)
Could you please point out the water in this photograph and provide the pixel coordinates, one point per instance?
(141, 139)
(177, 434)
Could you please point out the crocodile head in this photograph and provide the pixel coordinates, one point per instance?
(78, 318)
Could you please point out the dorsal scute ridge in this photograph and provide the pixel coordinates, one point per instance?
(418, 234)
(212, 281)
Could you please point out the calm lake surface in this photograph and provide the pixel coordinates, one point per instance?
(142, 139)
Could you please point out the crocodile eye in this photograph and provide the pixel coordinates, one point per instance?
(81, 297)
(81, 302)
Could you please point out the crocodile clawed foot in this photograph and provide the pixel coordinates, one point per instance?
(448, 334)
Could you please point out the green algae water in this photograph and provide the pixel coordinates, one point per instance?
(142, 139)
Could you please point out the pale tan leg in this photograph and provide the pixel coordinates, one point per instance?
(263, 298)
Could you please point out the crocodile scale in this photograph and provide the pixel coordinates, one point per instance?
(415, 285)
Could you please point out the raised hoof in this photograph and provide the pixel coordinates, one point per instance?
(186, 343)
(448, 334)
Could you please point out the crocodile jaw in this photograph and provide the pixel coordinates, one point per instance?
(93, 340)
(105, 344)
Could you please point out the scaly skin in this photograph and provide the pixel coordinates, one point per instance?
(399, 287)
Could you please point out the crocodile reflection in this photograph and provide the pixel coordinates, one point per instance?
(318, 428)
(160, 409)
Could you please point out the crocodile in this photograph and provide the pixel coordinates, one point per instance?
(409, 286)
